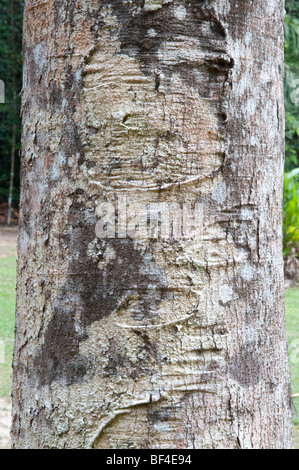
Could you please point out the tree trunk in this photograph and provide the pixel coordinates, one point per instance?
(158, 341)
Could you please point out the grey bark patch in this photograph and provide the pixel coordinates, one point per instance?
(117, 359)
(91, 294)
(245, 368)
(239, 12)
(119, 364)
(157, 413)
(149, 347)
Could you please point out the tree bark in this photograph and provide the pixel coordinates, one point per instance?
(158, 342)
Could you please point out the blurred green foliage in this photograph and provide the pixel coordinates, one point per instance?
(291, 91)
(292, 84)
(290, 211)
(10, 61)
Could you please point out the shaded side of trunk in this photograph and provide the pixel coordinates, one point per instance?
(158, 342)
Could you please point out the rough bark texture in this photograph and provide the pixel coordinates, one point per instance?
(124, 343)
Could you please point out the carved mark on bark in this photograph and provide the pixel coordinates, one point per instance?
(144, 34)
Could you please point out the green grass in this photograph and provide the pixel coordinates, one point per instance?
(292, 326)
(7, 319)
(7, 315)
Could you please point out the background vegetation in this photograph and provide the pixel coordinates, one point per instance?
(292, 83)
(11, 12)
(291, 178)
(7, 319)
